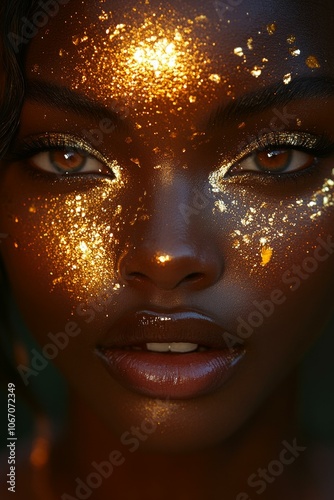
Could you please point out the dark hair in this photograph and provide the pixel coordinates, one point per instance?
(12, 13)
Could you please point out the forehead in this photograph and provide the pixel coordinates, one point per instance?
(188, 35)
(154, 56)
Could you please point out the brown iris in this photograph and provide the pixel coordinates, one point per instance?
(276, 161)
(67, 161)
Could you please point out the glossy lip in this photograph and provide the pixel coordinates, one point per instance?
(168, 375)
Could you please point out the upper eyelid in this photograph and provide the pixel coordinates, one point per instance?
(292, 140)
(59, 140)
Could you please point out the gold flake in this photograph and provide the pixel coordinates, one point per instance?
(238, 51)
(271, 28)
(294, 51)
(201, 19)
(312, 62)
(256, 72)
(221, 205)
(287, 78)
(266, 255)
(215, 78)
(162, 259)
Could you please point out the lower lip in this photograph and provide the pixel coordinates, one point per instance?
(171, 376)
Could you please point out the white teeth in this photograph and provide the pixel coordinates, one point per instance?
(171, 347)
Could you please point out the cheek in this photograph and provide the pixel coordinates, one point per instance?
(61, 251)
(270, 228)
(279, 264)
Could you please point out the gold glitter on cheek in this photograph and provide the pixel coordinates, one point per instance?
(78, 233)
(275, 226)
(287, 78)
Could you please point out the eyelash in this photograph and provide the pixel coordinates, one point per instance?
(319, 147)
(54, 142)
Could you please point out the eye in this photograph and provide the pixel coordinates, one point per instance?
(278, 161)
(65, 161)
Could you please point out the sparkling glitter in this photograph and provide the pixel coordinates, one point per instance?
(291, 39)
(294, 51)
(285, 137)
(105, 16)
(266, 255)
(256, 72)
(312, 62)
(250, 43)
(77, 238)
(238, 51)
(201, 19)
(215, 78)
(267, 223)
(154, 56)
(287, 78)
(271, 28)
(163, 259)
(221, 205)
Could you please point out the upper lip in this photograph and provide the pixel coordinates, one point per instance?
(145, 326)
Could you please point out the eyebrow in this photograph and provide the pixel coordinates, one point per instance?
(278, 94)
(66, 99)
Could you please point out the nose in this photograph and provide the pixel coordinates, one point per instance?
(169, 252)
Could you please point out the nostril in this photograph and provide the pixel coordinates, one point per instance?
(194, 277)
(136, 276)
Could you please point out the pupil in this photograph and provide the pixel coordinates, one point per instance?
(68, 161)
(273, 160)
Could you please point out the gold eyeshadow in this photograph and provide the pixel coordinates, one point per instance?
(288, 139)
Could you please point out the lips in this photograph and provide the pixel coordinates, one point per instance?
(179, 355)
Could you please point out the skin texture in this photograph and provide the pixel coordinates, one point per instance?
(229, 242)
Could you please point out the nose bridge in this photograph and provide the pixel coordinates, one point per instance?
(170, 228)
(168, 248)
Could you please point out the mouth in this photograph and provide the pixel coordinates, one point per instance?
(180, 355)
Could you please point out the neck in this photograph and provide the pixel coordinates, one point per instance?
(226, 466)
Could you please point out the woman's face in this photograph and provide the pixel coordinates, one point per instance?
(171, 187)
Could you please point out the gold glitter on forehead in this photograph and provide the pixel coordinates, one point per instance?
(158, 56)
(312, 62)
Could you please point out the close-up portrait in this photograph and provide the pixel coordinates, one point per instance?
(167, 250)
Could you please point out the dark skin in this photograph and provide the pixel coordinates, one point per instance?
(252, 229)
